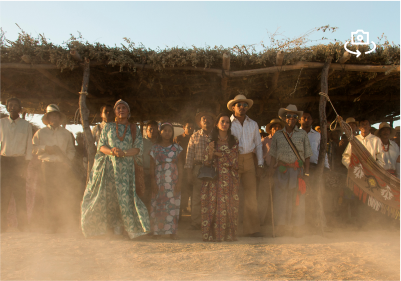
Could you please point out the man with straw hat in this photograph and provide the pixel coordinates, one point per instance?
(196, 146)
(290, 153)
(16, 152)
(390, 150)
(264, 199)
(247, 132)
(54, 146)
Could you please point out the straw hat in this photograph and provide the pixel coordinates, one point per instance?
(272, 122)
(53, 108)
(202, 112)
(239, 98)
(385, 125)
(289, 108)
(351, 120)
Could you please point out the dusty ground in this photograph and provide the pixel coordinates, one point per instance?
(341, 254)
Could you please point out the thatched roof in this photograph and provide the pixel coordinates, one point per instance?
(170, 84)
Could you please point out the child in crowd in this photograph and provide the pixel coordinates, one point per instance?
(166, 168)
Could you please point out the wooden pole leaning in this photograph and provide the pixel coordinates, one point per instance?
(271, 204)
(323, 142)
(89, 142)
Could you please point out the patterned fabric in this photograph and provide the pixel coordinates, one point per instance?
(15, 137)
(110, 199)
(165, 205)
(371, 183)
(248, 136)
(281, 150)
(219, 198)
(371, 143)
(97, 130)
(196, 147)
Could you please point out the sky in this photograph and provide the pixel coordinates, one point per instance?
(184, 24)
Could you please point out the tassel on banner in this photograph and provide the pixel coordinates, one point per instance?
(372, 202)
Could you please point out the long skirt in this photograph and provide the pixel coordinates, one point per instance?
(165, 205)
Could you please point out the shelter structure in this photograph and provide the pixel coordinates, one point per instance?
(171, 84)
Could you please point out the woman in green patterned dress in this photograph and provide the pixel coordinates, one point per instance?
(110, 199)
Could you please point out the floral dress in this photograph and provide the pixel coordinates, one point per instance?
(219, 198)
(110, 199)
(165, 206)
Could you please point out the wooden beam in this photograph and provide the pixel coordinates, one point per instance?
(240, 73)
(319, 177)
(299, 65)
(345, 57)
(89, 142)
(48, 75)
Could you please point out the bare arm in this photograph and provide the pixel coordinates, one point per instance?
(131, 152)
(111, 151)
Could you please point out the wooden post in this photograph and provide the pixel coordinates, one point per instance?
(74, 54)
(89, 142)
(346, 56)
(224, 80)
(279, 62)
(324, 85)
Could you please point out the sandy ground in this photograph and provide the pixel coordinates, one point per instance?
(341, 254)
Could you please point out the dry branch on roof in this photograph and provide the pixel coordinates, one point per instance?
(170, 83)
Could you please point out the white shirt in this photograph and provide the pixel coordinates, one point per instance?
(48, 136)
(16, 138)
(314, 140)
(371, 143)
(248, 136)
(389, 158)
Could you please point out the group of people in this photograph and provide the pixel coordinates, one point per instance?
(142, 185)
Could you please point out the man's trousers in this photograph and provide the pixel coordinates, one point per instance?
(13, 171)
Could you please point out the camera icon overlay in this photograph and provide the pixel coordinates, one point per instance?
(359, 37)
(362, 37)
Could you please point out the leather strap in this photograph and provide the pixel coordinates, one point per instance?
(294, 149)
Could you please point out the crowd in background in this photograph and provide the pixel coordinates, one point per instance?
(228, 175)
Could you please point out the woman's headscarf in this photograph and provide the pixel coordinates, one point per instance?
(120, 101)
(123, 102)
